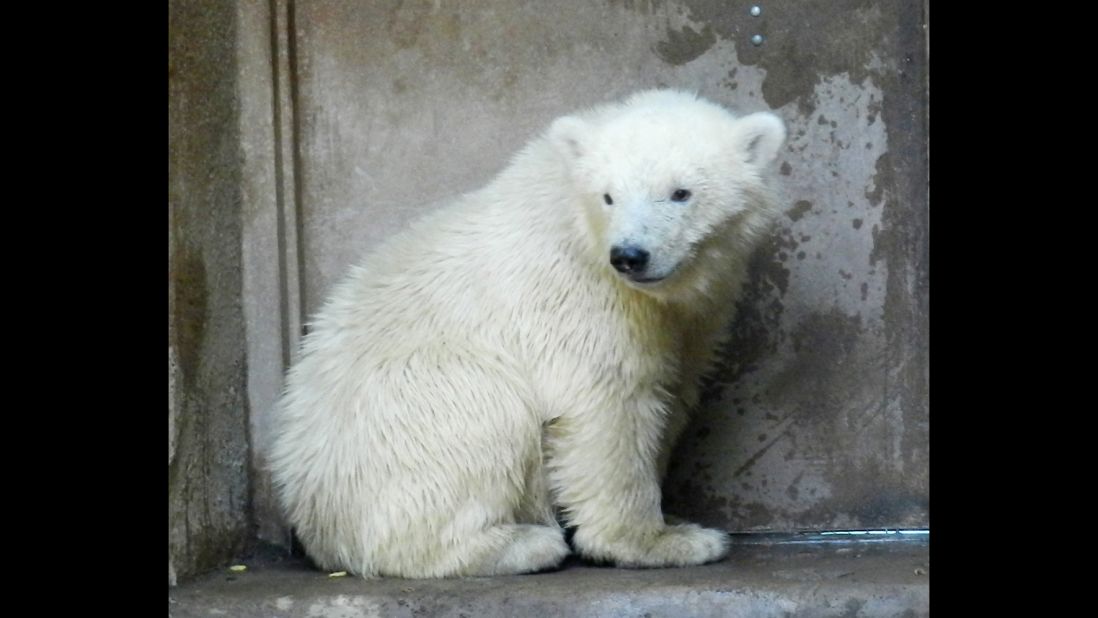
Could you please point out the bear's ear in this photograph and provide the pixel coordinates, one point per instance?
(568, 135)
(759, 136)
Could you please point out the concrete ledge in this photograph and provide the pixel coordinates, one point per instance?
(837, 578)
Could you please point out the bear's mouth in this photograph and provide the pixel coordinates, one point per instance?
(646, 280)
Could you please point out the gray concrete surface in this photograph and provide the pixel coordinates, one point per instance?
(758, 580)
(208, 491)
(819, 417)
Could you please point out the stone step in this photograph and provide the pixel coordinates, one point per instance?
(762, 577)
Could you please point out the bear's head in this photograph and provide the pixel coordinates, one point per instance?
(668, 182)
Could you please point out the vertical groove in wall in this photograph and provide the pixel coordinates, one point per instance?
(299, 253)
(287, 164)
(280, 201)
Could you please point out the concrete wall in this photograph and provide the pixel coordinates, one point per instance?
(819, 418)
(350, 118)
(208, 490)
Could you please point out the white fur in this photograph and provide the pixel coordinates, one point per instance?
(488, 370)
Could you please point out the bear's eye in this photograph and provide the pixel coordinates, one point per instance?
(606, 198)
(680, 195)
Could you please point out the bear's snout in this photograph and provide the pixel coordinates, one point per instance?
(628, 260)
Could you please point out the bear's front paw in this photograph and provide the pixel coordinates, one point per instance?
(680, 545)
(670, 546)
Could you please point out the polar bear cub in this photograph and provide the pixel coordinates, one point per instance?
(529, 353)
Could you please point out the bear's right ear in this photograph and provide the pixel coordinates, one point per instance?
(759, 136)
(568, 135)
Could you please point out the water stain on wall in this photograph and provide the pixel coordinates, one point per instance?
(189, 283)
(684, 45)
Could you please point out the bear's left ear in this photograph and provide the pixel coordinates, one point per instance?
(568, 135)
(759, 136)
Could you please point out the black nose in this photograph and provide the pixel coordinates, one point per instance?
(628, 259)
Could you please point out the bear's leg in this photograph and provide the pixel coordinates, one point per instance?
(488, 536)
(604, 470)
(458, 459)
(678, 417)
